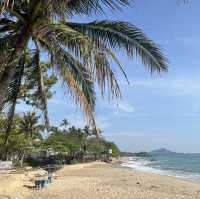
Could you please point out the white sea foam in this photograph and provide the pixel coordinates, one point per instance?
(143, 165)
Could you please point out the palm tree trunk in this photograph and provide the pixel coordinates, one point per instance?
(5, 80)
(12, 113)
(4, 83)
(9, 71)
(22, 159)
(7, 133)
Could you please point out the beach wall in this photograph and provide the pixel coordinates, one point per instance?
(6, 165)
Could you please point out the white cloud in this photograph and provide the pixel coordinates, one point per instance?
(181, 85)
(117, 107)
(102, 122)
(62, 102)
(125, 133)
(76, 120)
(56, 101)
(126, 107)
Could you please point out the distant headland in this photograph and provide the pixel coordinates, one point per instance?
(161, 151)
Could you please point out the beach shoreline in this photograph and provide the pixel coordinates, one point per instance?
(145, 166)
(99, 180)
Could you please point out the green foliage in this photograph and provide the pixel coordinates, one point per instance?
(71, 141)
(62, 141)
(115, 149)
(16, 144)
(102, 146)
(28, 125)
(20, 140)
(57, 142)
(78, 140)
(29, 89)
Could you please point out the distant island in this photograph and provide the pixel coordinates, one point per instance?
(161, 151)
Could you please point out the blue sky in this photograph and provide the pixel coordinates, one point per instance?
(159, 110)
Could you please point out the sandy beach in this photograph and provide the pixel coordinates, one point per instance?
(100, 181)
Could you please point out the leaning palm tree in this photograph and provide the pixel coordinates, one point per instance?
(82, 54)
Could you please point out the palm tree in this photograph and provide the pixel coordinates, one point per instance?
(28, 93)
(81, 53)
(87, 131)
(29, 126)
(64, 123)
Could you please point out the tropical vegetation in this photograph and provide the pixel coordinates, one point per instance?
(67, 144)
(81, 55)
(40, 46)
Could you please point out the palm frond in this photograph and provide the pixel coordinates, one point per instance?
(76, 78)
(6, 49)
(79, 83)
(105, 76)
(86, 51)
(120, 35)
(62, 8)
(6, 5)
(72, 7)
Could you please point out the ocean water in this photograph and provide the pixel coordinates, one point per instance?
(185, 166)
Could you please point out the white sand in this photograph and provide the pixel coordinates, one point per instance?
(100, 181)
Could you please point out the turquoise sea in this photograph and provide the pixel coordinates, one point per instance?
(179, 165)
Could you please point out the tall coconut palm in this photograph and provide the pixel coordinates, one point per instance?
(82, 54)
